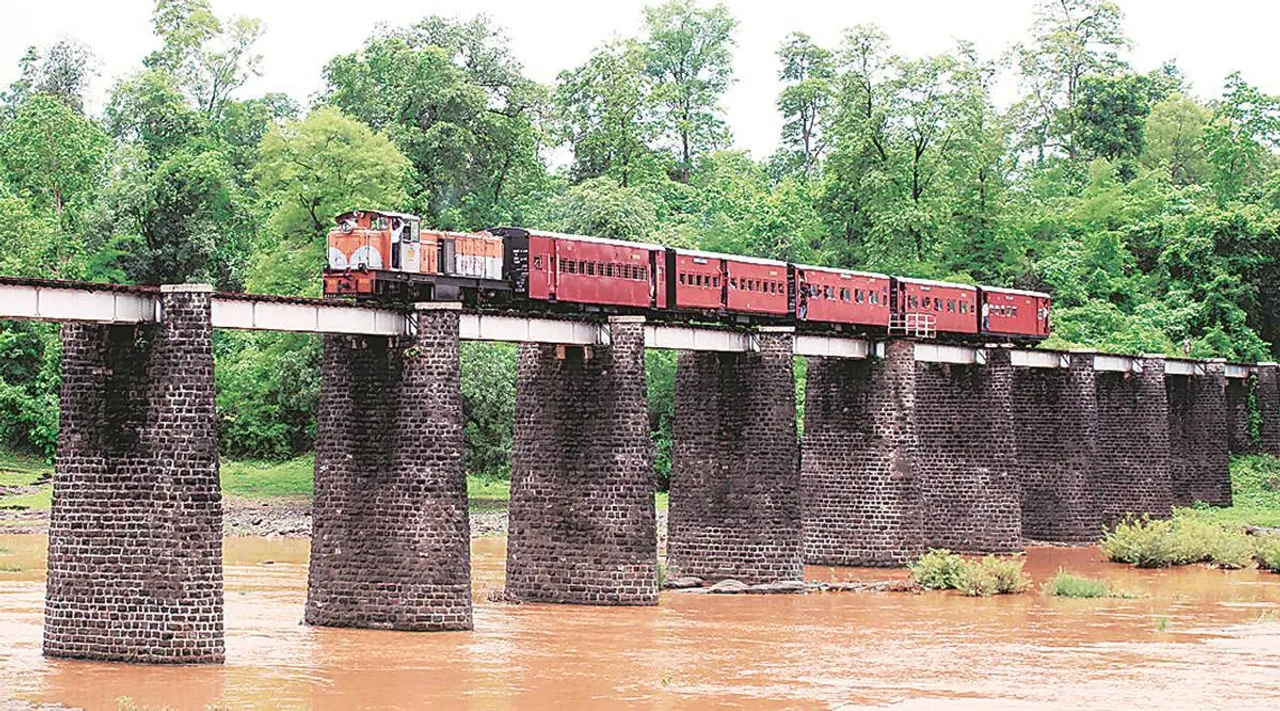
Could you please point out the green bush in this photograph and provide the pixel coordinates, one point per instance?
(1065, 584)
(1141, 542)
(1007, 573)
(1182, 540)
(1230, 548)
(1267, 550)
(939, 569)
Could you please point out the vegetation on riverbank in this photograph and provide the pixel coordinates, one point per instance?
(1066, 584)
(940, 569)
(1182, 540)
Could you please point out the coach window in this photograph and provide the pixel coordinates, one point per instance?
(937, 305)
(875, 297)
(951, 306)
(926, 302)
(912, 302)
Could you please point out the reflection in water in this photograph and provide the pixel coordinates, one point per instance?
(1196, 638)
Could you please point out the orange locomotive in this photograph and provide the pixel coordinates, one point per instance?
(387, 254)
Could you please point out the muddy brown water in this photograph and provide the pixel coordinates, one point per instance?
(1198, 638)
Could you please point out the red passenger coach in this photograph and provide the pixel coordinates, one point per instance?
(954, 307)
(706, 281)
(1011, 312)
(759, 286)
(584, 270)
(842, 297)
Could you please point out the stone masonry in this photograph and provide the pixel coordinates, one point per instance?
(966, 458)
(390, 531)
(1131, 466)
(861, 494)
(1238, 392)
(735, 479)
(1267, 396)
(1054, 417)
(1199, 461)
(582, 522)
(135, 535)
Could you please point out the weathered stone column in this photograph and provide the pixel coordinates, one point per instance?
(390, 530)
(135, 535)
(861, 496)
(581, 520)
(1055, 414)
(735, 479)
(1267, 396)
(1199, 463)
(1238, 392)
(972, 500)
(1132, 457)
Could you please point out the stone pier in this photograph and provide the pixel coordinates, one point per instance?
(1199, 460)
(1131, 463)
(966, 457)
(1239, 392)
(135, 535)
(1267, 397)
(390, 531)
(1055, 416)
(861, 495)
(735, 480)
(582, 523)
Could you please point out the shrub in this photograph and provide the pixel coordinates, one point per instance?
(1267, 551)
(1007, 573)
(1181, 541)
(1065, 584)
(1230, 548)
(938, 569)
(978, 581)
(1141, 542)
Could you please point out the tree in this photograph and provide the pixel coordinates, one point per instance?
(454, 101)
(52, 152)
(906, 135)
(1070, 39)
(61, 70)
(1174, 142)
(325, 165)
(602, 207)
(1245, 126)
(807, 75)
(604, 109)
(211, 57)
(1111, 113)
(689, 57)
(311, 171)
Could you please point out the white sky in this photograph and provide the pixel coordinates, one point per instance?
(1208, 39)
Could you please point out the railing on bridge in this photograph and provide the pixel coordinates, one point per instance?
(917, 325)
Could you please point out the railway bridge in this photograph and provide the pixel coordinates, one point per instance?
(906, 445)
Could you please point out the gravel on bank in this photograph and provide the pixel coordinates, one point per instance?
(281, 517)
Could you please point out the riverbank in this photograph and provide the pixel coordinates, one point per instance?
(274, 499)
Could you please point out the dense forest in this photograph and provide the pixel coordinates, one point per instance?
(1150, 212)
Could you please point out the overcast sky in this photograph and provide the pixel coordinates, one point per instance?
(1208, 39)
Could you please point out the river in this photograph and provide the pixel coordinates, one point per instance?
(1197, 638)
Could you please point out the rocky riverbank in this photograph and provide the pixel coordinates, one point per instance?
(282, 517)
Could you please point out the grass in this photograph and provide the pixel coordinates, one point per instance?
(940, 569)
(257, 480)
(22, 470)
(1066, 584)
(1255, 494)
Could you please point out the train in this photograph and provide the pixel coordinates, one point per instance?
(388, 256)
